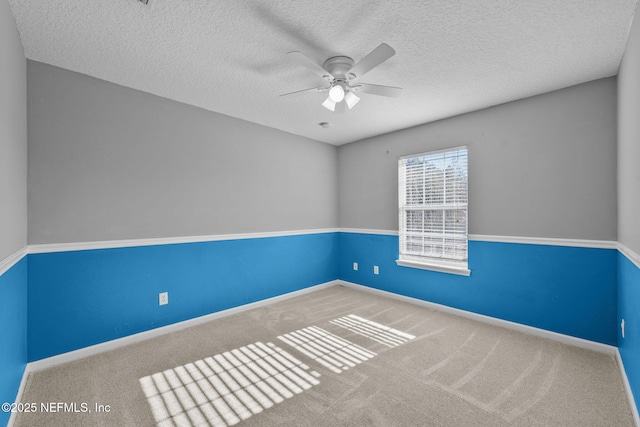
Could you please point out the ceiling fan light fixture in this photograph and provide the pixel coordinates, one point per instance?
(329, 104)
(351, 99)
(339, 73)
(336, 93)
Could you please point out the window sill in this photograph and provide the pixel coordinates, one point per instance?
(443, 268)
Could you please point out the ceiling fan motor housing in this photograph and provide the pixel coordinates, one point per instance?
(338, 66)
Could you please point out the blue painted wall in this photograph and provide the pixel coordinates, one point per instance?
(77, 299)
(562, 289)
(629, 310)
(13, 318)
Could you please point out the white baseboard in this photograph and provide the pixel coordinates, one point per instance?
(627, 388)
(23, 384)
(566, 339)
(142, 336)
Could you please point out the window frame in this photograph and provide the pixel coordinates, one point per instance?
(446, 265)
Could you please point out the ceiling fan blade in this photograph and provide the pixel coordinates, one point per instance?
(389, 91)
(301, 59)
(376, 57)
(303, 91)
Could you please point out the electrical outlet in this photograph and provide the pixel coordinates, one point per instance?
(355, 266)
(376, 270)
(163, 298)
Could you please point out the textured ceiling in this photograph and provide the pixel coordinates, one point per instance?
(229, 56)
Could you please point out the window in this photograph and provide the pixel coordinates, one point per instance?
(433, 210)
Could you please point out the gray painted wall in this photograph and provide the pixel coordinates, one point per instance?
(107, 162)
(540, 167)
(629, 142)
(13, 136)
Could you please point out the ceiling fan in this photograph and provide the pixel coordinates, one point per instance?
(340, 73)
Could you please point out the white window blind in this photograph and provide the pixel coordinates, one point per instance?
(433, 193)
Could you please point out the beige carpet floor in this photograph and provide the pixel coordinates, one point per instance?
(335, 357)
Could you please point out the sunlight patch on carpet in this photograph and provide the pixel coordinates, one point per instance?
(227, 388)
(331, 351)
(372, 330)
